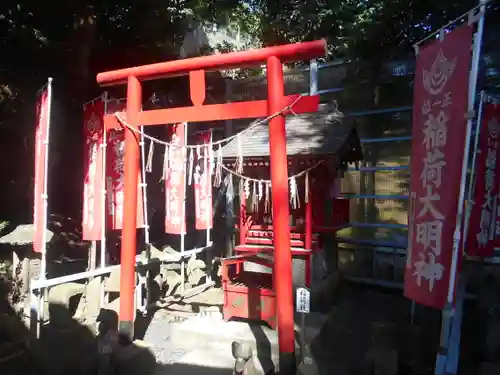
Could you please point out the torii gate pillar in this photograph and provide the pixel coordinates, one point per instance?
(276, 102)
(281, 217)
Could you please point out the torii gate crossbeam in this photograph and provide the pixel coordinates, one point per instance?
(196, 67)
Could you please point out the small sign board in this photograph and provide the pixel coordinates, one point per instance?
(303, 300)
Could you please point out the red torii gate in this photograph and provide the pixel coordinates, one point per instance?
(196, 67)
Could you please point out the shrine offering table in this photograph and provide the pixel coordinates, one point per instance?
(297, 252)
(248, 295)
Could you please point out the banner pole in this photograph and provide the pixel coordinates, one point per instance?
(209, 213)
(448, 314)
(184, 224)
(102, 261)
(144, 189)
(470, 115)
(43, 265)
(43, 262)
(92, 256)
(147, 240)
(472, 178)
(104, 190)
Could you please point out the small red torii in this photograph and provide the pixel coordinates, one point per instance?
(273, 57)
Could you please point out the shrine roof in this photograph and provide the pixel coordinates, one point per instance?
(324, 132)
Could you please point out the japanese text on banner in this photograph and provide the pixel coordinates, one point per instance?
(203, 182)
(484, 220)
(93, 200)
(41, 155)
(115, 175)
(175, 189)
(439, 124)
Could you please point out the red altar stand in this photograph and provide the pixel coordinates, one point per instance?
(248, 295)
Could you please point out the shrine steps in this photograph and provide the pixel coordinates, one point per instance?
(270, 242)
(269, 234)
(268, 249)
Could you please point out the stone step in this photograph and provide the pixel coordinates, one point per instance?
(212, 330)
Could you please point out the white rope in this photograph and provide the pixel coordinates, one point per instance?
(222, 141)
(301, 173)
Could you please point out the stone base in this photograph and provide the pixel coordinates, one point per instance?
(383, 361)
(489, 368)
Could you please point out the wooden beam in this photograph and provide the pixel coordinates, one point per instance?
(286, 53)
(214, 112)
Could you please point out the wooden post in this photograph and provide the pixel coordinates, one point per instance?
(129, 232)
(281, 228)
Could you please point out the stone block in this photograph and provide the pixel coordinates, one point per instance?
(411, 346)
(59, 301)
(62, 294)
(489, 368)
(241, 350)
(259, 365)
(383, 361)
(112, 282)
(133, 360)
(113, 305)
(92, 297)
(307, 368)
(384, 335)
(492, 342)
(239, 366)
(173, 280)
(195, 264)
(195, 277)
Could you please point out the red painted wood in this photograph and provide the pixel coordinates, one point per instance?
(308, 222)
(274, 56)
(255, 249)
(269, 234)
(128, 240)
(286, 53)
(197, 88)
(213, 112)
(316, 229)
(248, 295)
(296, 252)
(280, 204)
(269, 241)
(245, 220)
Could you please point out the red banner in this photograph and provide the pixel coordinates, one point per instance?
(93, 202)
(175, 176)
(41, 155)
(484, 220)
(114, 168)
(203, 183)
(439, 125)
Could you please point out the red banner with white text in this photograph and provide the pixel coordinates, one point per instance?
(484, 219)
(203, 182)
(115, 174)
(41, 155)
(175, 176)
(93, 200)
(439, 126)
